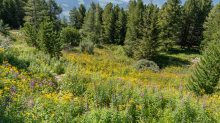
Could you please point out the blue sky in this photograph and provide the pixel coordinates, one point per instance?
(67, 5)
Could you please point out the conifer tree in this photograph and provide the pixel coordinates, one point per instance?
(73, 17)
(36, 12)
(120, 27)
(49, 41)
(134, 23)
(206, 73)
(211, 25)
(4, 28)
(64, 22)
(168, 22)
(53, 11)
(108, 24)
(81, 16)
(88, 28)
(147, 47)
(97, 23)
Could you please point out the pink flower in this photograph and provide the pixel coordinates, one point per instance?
(182, 100)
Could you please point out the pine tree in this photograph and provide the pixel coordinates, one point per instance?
(36, 12)
(147, 47)
(73, 17)
(31, 35)
(98, 23)
(4, 28)
(81, 16)
(120, 27)
(108, 24)
(211, 25)
(49, 40)
(206, 73)
(64, 22)
(168, 22)
(53, 11)
(88, 28)
(135, 21)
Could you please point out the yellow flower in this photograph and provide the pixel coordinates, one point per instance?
(52, 115)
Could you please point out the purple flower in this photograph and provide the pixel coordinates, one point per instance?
(8, 64)
(203, 105)
(119, 79)
(142, 94)
(31, 103)
(148, 85)
(12, 89)
(160, 96)
(180, 88)
(16, 75)
(156, 90)
(32, 83)
(23, 77)
(182, 100)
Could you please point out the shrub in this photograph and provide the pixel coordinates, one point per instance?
(144, 64)
(87, 46)
(70, 36)
(4, 43)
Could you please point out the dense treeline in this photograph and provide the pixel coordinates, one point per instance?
(142, 29)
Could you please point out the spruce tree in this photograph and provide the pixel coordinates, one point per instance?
(53, 11)
(147, 47)
(88, 28)
(36, 12)
(64, 22)
(206, 73)
(81, 16)
(97, 23)
(108, 24)
(211, 25)
(134, 23)
(168, 22)
(120, 27)
(73, 17)
(4, 28)
(49, 40)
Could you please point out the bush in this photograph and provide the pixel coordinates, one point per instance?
(87, 46)
(70, 36)
(4, 43)
(4, 28)
(144, 64)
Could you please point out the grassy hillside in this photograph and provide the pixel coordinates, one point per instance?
(102, 87)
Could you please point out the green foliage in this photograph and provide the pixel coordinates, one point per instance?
(169, 17)
(144, 64)
(147, 47)
(4, 28)
(92, 20)
(206, 73)
(31, 35)
(4, 43)
(86, 46)
(49, 41)
(53, 10)
(81, 15)
(64, 22)
(120, 27)
(211, 25)
(73, 17)
(108, 24)
(36, 12)
(70, 36)
(58, 67)
(191, 25)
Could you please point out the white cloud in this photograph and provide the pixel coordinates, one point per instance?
(65, 5)
(66, 13)
(80, 2)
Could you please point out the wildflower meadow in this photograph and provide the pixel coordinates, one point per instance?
(99, 87)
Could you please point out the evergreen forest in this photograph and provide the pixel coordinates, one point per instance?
(139, 64)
